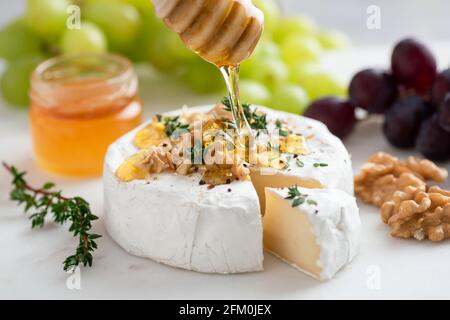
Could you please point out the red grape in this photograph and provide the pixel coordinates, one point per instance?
(402, 122)
(433, 141)
(337, 114)
(440, 88)
(413, 65)
(373, 90)
(444, 116)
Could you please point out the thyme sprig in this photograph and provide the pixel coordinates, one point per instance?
(256, 120)
(45, 200)
(300, 163)
(298, 198)
(320, 165)
(172, 124)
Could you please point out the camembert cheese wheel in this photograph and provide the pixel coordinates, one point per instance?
(180, 221)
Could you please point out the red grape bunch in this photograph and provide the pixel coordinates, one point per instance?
(413, 96)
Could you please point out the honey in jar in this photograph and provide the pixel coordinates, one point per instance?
(79, 106)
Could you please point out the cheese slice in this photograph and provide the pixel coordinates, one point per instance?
(319, 236)
(174, 220)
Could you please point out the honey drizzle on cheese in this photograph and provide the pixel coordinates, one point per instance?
(291, 146)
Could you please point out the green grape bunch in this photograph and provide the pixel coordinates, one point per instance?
(283, 73)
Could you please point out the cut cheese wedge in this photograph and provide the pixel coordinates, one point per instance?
(176, 220)
(319, 236)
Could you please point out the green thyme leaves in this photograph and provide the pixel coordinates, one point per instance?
(44, 201)
(298, 198)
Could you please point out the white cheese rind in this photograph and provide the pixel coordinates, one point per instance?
(336, 224)
(325, 148)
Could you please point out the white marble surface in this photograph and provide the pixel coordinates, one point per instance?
(30, 260)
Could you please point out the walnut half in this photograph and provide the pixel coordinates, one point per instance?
(418, 213)
(382, 175)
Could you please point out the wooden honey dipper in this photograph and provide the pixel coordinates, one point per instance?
(223, 32)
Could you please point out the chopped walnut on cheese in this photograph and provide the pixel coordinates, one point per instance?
(206, 140)
(145, 162)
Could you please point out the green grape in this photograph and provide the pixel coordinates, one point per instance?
(17, 40)
(139, 50)
(89, 38)
(331, 39)
(156, 52)
(290, 26)
(175, 48)
(316, 81)
(300, 49)
(15, 82)
(272, 14)
(165, 50)
(161, 48)
(246, 68)
(253, 92)
(301, 72)
(290, 98)
(265, 50)
(202, 77)
(270, 72)
(47, 18)
(323, 84)
(119, 21)
(144, 6)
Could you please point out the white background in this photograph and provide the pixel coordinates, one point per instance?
(30, 260)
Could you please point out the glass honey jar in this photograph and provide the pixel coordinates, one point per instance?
(80, 104)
